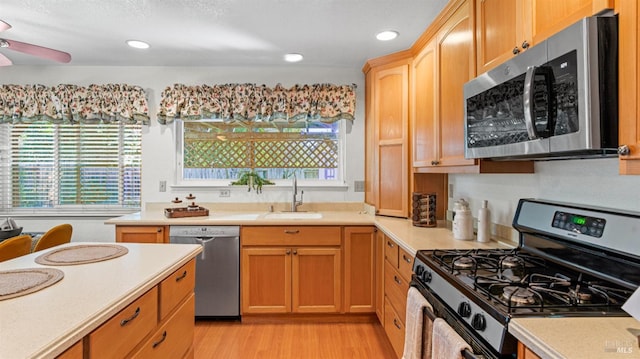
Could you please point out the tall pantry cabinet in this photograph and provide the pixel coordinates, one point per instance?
(387, 146)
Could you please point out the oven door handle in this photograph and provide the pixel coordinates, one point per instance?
(468, 354)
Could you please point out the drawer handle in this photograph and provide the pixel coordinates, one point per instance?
(395, 322)
(124, 322)
(395, 278)
(390, 244)
(291, 231)
(408, 260)
(183, 276)
(164, 336)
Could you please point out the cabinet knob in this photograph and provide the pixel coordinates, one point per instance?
(288, 251)
(525, 44)
(159, 229)
(516, 50)
(295, 252)
(624, 150)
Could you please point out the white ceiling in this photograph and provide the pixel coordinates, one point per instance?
(215, 32)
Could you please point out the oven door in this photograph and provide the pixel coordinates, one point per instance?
(480, 350)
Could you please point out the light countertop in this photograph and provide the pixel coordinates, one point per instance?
(594, 337)
(43, 324)
(583, 338)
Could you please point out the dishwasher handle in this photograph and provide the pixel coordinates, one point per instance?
(203, 242)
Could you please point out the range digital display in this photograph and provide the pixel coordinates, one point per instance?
(590, 226)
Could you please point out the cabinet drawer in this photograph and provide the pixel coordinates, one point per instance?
(174, 338)
(176, 287)
(120, 334)
(291, 236)
(391, 251)
(394, 327)
(405, 264)
(395, 288)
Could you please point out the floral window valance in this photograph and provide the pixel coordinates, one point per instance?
(73, 104)
(250, 102)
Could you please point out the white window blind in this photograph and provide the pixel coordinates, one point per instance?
(61, 167)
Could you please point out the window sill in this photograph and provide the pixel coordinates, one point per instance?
(276, 187)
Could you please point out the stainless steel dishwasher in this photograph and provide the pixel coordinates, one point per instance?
(217, 267)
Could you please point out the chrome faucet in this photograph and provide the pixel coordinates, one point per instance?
(294, 201)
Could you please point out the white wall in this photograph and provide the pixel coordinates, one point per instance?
(158, 143)
(587, 181)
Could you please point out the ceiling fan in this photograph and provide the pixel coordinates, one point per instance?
(40, 51)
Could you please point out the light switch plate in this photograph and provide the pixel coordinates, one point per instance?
(163, 186)
(358, 186)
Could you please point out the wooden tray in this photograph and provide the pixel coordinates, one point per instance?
(185, 212)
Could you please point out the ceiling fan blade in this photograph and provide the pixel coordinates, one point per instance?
(4, 61)
(36, 50)
(4, 26)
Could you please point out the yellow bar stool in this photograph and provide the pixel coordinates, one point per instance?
(15, 247)
(55, 236)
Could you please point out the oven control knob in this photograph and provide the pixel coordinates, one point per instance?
(464, 309)
(478, 322)
(419, 269)
(426, 276)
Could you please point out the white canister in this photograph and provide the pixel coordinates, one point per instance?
(462, 221)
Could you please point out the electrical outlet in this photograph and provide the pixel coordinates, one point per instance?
(358, 186)
(163, 186)
(450, 190)
(225, 193)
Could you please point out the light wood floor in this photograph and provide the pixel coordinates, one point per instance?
(230, 340)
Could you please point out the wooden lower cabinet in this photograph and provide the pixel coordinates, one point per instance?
(175, 337)
(359, 269)
(291, 270)
(526, 353)
(394, 327)
(74, 352)
(142, 234)
(159, 324)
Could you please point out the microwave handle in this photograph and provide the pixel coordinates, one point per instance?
(528, 100)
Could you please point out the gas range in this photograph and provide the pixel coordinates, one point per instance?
(572, 260)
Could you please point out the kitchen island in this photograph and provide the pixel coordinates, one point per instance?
(45, 323)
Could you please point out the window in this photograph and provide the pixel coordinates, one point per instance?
(59, 167)
(218, 152)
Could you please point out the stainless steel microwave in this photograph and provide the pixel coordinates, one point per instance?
(558, 99)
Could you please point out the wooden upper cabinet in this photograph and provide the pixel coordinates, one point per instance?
(544, 18)
(499, 32)
(629, 93)
(504, 28)
(391, 116)
(456, 66)
(424, 125)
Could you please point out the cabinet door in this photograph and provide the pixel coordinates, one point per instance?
(380, 244)
(359, 269)
(266, 280)
(391, 102)
(629, 93)
(423, 119)
(316, 280)
(456, 65)
(499, 32)
(546, 17)
(142, 234)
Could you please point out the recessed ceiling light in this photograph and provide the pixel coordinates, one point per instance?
(137, 44)
(387, 35)
(293, 57)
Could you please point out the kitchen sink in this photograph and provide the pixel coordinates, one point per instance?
(293, 215)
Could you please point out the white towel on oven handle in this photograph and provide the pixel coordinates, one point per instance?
(417, 339)
(446, 343)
